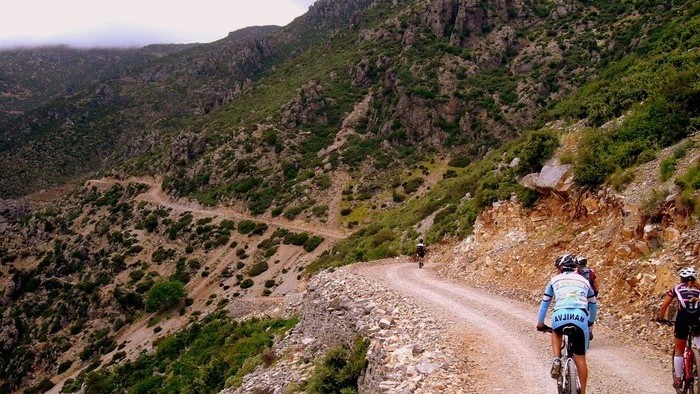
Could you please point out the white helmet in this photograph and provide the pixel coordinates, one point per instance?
(687, 273)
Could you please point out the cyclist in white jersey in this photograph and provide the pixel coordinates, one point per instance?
(574, 305)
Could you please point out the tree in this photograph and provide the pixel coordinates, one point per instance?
(165, 295)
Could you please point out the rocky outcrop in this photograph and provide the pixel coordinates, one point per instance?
(636, 261)
(186, 147)
(553, 177)
(11, 210)
(305, 108)
(407, 351)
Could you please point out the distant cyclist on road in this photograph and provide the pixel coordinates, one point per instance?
(687, 293)
(574, 305)
(420, 252)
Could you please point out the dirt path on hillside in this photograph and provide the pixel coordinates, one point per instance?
(508, 353)
(158, 196)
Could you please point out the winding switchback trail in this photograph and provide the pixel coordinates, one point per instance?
(157, 195)
(507, 353)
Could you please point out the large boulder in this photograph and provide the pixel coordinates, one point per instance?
(552, 178)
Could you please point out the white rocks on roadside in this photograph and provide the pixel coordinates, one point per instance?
(338, 307)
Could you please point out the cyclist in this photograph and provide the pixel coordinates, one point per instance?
(687, 292)
(420, 252)
(574, 304)
(590, 275)
(587, 273)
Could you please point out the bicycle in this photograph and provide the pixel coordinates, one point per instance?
(690, 357)
(567, 382)
(420, 261)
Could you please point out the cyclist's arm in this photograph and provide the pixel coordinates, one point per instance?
(664, 307)
(544, 304)
(592, 306)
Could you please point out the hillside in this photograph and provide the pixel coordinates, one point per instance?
(218, 183)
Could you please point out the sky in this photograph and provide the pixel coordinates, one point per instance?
(109, 23)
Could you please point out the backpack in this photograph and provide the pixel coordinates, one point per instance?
(590, 276)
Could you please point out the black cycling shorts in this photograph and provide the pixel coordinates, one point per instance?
(684, 320)
(577, 339)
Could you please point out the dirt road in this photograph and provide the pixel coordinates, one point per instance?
(509, 355)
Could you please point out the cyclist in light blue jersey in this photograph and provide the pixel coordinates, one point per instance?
(575, 305)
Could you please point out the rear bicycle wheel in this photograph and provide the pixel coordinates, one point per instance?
(690, 383)
(572, 384)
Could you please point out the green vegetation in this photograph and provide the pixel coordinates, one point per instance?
(202, 358)
(165, 295)
(339, 369)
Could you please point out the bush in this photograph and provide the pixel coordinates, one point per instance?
(312, 243)
(246, 226)
(297, 239)
(258, 268)
(64, 366)
(592, 166)
(247, 283)
(164, 295)
(412, 185)
(667, 168)
(269, 283)
(538, 147)
(339, 369)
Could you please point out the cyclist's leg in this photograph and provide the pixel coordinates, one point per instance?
(556, 343)
(582, 368)
(680, 335)
(579, 346)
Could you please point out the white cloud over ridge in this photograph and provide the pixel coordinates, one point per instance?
(91, 23)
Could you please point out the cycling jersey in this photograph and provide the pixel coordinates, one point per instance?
(420, 250)
(687, 310)
(574, 302)
(683, 293)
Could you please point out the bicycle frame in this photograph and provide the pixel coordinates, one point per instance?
(690, 357)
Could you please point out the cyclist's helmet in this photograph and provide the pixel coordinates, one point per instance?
(566, 262)
(581, 261)
(687, 273)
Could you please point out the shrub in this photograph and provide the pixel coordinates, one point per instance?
(297, 239)
(258, 268)
(64, 366)
(537, 148)
(667, 168)
(412, 185)
(247, 283)
(312, 243)
(269, 283)
(592, 166)
(339, 369)
(165, 295)
(43, 386)
(246, 226)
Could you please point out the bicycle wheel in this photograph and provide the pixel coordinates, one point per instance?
(689, 384)
(572, 385)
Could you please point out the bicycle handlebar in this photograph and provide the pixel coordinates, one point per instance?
(666, 322)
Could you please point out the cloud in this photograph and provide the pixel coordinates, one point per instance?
(137, 22)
